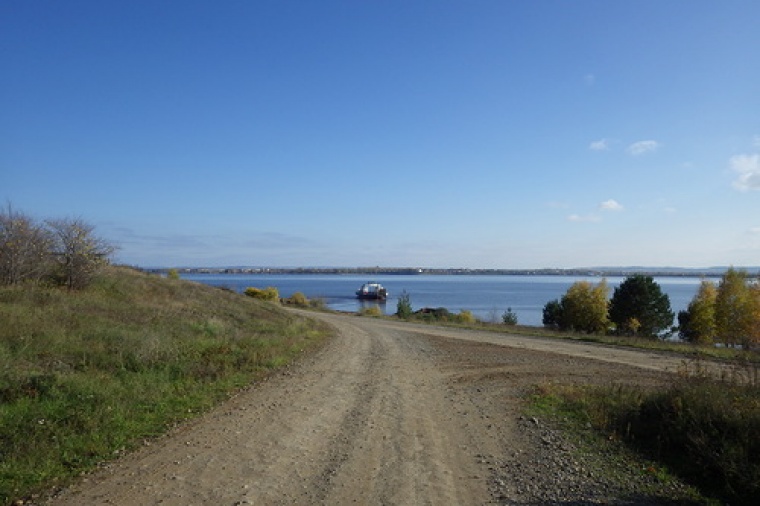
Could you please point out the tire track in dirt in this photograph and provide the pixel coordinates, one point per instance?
(364, 419)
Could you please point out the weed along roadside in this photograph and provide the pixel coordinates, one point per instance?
(89, 374)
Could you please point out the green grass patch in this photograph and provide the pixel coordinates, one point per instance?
(86, 375)
(704, 431)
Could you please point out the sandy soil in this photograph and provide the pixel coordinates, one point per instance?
(386, 413)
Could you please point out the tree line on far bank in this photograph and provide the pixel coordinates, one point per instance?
(728, 312)
(64, 251)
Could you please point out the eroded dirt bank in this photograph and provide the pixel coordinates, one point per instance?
(386, 413)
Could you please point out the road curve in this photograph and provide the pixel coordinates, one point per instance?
(372, 418)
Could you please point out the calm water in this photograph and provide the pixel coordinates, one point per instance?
(486, 296)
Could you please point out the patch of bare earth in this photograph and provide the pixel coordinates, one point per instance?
(385, 413)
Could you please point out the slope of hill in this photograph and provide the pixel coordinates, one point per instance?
(86, 375)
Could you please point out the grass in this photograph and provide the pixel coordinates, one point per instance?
(85, 375)
(704, 431)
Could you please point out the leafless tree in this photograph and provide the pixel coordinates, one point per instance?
(24, 248)
(78, 252)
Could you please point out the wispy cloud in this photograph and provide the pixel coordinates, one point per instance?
(588, 218)
(754, 230)
(589, 79)
(756, 141)
(610, 205)
(748, 167)
(600, 145)
(643, 147)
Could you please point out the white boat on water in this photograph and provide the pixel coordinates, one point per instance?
(372, 291)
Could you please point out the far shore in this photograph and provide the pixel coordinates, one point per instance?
(711, 272)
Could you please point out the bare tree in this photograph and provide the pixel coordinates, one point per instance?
(24, 248)
(78, 252)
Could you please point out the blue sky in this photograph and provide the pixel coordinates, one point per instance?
(483, 134)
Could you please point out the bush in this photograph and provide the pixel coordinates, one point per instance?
(705, 431)
(66, 251)
(371, 311)
(433, 314)
(404, 306)
(298, 299)
(269, 293)
(466, 317)
(509, 317)
(317, 303)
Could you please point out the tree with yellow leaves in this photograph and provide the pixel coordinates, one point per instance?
(737, 309)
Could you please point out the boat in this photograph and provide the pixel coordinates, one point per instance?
(372, 291)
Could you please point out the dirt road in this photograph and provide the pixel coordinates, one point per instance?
(387, 413)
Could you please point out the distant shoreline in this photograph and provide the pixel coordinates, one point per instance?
(711, 272)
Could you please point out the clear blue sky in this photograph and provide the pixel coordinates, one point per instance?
(483, 134)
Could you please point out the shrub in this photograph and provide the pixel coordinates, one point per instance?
(404, 306)
(269, 293)
(371, 311)
(509, 317)
(298, 299)
(705, 431)
(433, 314)
(465, 316)
(317, 303)
(66, 251)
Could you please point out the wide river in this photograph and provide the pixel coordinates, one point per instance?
(487, 296)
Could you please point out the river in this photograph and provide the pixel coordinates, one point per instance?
(486, 296)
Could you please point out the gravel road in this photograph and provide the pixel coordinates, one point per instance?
(388, 413)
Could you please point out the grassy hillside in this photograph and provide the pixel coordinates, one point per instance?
(85, 375)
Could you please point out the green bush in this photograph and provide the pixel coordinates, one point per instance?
(404, 306)
(509, 317)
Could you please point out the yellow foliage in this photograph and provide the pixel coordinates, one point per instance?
(269, 293)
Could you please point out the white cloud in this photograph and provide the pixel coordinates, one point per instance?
(756, 141)
(754, 230)
(600, 145)
(642, 147)
(748, 167)
(589, 218)
(611, 205)
(590, 79)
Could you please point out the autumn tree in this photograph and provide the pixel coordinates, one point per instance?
(697, 322)
(77, 251)
(583, 308)
(638, 306)
(737, 309)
